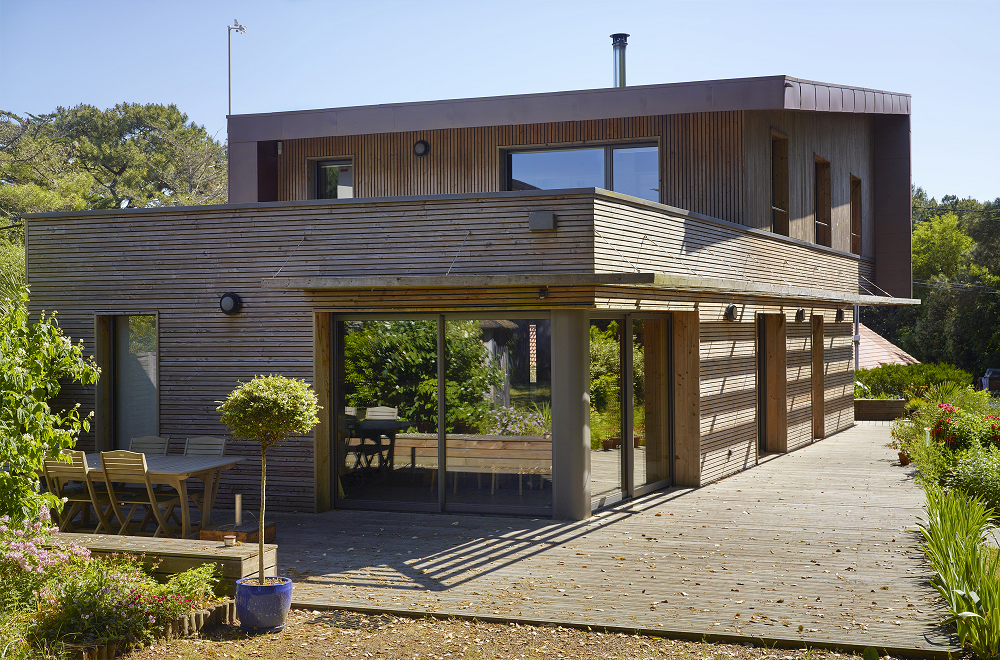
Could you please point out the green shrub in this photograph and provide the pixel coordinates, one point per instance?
(977, 473)
(912, 380)
(966, 570)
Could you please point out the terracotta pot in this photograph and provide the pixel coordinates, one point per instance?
(903, 459)
(608, 444)
(637, 440)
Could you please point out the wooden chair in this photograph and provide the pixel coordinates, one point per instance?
(126, 467)
(72, 482)
(368, 452)
(203, 445)
(382, 412)
(150, 444)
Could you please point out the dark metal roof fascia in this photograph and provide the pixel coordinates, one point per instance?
(763, 93)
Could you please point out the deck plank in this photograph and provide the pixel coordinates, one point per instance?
(815, 547)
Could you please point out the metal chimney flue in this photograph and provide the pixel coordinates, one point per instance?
(619, 41)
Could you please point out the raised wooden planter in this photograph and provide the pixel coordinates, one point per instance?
(879, 410)
(189, 624)
(172, 556)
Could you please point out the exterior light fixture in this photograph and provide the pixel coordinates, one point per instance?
(230, 303)
(730, 314)
(421, 149)
(543, 293)
(840, 315)
(800, 315)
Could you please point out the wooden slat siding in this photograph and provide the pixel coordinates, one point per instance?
(839, 380)
(701, 157)
(687, 399)
(799, 390)
(657, 242)
(846, 140)
(865, 286)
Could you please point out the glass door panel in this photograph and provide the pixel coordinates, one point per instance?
(386, 443)
(651, 402)
(606, 378)
(136, 409)
(499, 419)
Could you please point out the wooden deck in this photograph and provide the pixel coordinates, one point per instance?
(826, 558)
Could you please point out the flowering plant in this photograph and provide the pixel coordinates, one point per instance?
(508, 420)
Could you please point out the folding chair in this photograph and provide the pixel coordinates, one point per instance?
(126, 467)
(150, 444)
(72, 482)
(204, 445)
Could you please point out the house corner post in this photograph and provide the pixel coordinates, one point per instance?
(570, 414)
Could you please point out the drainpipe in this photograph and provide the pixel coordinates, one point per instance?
(857, 336)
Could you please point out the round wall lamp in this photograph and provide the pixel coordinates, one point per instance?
(840, 315)
(800, 315)
(421, 149)
(230, 303)
(730, 313)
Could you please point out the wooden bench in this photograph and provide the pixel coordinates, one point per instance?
(168, 557)
(478, 454)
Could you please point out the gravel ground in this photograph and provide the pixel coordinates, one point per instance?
(339, 634)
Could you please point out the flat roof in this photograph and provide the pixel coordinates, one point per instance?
(762, 93)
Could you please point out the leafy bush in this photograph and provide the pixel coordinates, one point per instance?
(966, 571)
(912, 380)
(977, 473)
(35, 358)
(508, 420)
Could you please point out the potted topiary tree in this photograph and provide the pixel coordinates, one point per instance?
(267, 410)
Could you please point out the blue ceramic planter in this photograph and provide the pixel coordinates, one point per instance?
(263, 608)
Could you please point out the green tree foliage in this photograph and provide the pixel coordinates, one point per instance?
(11, 272)
(956, 272)
(394, 363)
(87, 158)
(34, 358)
(267, 411)
(940, 247)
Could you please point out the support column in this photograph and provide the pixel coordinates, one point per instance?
(322, 432)
(103, 393)
(687, 399)
(570, 414)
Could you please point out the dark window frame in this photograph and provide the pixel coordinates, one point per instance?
(823, 195)
(779, 183)
(608, 147)
(857, 215)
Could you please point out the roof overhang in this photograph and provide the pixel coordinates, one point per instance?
(660, 281)
(760, 93)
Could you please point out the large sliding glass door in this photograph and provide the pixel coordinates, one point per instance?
(443, 412)
(631, 414)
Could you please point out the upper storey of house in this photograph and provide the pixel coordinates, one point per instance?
(821, 163)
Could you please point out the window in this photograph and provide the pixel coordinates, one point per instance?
(824, 236)
(779, 183)
(631, 170)
(135, 366)
(334, 179)
(855, 215)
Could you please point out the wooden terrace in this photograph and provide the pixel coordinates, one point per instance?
(815, 548)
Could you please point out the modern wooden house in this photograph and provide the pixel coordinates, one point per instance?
(534, 304)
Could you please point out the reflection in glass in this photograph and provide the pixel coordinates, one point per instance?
(135, 379)
(499, 433)
(334, 180)
(387, 406)
(651, 406)
(605, 408)
(636, 172)
(551, 170)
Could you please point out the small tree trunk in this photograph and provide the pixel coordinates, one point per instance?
(260, 521)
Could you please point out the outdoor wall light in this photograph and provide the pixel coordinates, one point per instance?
(730, 314)
(800, 315)
(543, 293)
(230, 303)
(840, 315)
(421, 148)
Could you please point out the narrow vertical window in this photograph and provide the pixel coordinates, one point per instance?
(135, 403)
(855, 215)
(779, 183)
(824, 236)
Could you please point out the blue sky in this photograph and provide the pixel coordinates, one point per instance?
(300, 54)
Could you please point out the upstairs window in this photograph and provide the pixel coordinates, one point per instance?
(824, 208)
(334, 179)
(855, 215)
(629, 169)
(779, 183)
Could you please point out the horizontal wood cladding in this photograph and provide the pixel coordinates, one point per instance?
(633, 236)
(701, 158)
(846, 141)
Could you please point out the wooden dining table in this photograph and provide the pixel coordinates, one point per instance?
(174, 471)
